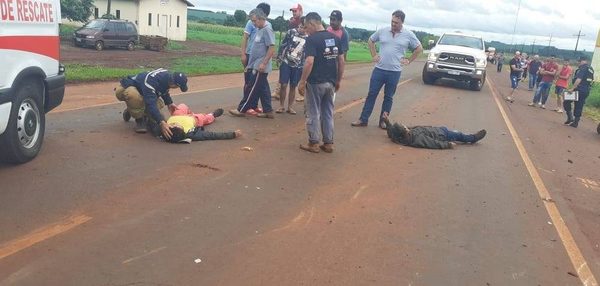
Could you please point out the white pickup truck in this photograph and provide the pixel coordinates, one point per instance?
(457, 56)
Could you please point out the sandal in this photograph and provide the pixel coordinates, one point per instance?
(280, 110)
(291, 111)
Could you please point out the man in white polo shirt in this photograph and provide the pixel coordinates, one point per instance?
(394, 41)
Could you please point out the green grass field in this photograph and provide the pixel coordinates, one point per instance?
(81, 73)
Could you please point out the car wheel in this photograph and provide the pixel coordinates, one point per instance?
(99, 45)
(131, 46)
(24, 134)
(427, 77)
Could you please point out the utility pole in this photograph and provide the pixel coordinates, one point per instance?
(579, 35)
(532, 46)
(515, 26)
(549, 42)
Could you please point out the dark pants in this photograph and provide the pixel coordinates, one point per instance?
(202, 135)
(458, 136)
(379, 78)
(255, 88)
(578, 106)
(499, 67)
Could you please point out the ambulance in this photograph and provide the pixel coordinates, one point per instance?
(32, 80)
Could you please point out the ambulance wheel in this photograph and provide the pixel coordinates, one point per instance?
(130, 46)
(99, 45)
(126, 115)
(24, 133)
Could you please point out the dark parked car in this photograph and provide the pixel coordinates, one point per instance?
(101, 33)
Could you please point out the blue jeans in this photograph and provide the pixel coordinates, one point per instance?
(542, 92)
(318, 104)
(514, 81)
(458, 136)
(532, 80)
(379, 78)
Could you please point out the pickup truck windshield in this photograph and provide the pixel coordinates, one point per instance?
(464, 41)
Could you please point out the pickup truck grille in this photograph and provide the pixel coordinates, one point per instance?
(458, 59)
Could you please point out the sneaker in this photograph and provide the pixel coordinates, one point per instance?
(358, 123)
(327, 148)
(382, 125)
(568, 122)
(266, 115)
(218, 112)
(310, 147)
(531, 104)
(479, 135)
(140, 126)
(236, 112)
(543, 106)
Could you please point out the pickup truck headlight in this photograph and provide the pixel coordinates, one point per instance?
(433, 56)
(480, 62)
(89, 37)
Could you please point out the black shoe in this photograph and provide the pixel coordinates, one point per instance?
(479, 135)
(218, 112)
(126, 115)
(574, 123)
(568, 122)
(140, 126)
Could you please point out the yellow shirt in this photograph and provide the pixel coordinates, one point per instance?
(188, 123)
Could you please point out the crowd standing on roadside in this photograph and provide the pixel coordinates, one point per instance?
(312, 59)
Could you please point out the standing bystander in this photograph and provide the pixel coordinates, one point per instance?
(534, 67)
(335, 27)
(548, 72)
(395, 40)
(291, 57)
(515, 74)
(321, 77)
(562, 84)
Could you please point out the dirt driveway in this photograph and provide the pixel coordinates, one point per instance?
(140, 58)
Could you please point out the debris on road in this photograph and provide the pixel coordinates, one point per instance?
(573, 274)
(247, 148)
(199, 165)
(548, 199)
(570, 161)
(197, 260)
(550, 223)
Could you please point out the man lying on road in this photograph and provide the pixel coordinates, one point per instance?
(186, 126)
(428, 136)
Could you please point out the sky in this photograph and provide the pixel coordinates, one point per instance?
(493, 19)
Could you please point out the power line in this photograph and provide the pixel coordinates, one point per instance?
(512, 40)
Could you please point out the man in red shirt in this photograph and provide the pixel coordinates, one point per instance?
(548, 73)
(562, 84)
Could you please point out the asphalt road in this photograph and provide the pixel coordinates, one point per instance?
(104, 206)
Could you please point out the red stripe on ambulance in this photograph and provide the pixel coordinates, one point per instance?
(43, 45)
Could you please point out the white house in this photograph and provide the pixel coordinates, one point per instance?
(167, 18)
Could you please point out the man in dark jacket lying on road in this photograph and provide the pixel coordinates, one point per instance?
(428, 136)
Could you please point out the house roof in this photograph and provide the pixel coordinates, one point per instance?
(189, 4)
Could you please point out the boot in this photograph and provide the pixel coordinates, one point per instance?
(140, 125)
(479, 135)
(575, 122)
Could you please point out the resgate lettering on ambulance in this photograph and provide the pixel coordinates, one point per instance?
(26, 11)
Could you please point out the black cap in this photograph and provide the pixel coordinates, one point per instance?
(336, 14)
(180, 80)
